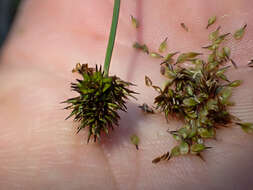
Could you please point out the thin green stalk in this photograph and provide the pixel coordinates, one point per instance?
(111, 41)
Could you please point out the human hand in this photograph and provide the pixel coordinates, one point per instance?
(39, 149)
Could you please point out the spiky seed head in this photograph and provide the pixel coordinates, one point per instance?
(100, 98)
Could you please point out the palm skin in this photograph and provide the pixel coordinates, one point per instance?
(39, 149)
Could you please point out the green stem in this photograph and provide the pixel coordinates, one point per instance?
(111, 41)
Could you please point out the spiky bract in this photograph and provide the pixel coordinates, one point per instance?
(100, 97)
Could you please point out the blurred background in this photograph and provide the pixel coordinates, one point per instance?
(8, 10)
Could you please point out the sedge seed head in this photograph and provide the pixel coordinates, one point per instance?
(99, 100)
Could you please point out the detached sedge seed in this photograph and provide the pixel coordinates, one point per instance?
(240, 32)
(211, 21)
(146, 109)
(135, 141)
(142, 47)
(163, 46)
(135, 22)
(184, 26)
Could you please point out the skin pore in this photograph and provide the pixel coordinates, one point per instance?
(39, 149)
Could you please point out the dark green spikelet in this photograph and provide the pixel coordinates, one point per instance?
(100, 98)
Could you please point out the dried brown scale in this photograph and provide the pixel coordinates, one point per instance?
(184, 26)
(146, 109)
(165, 156)
(142, 47)
(200, 94)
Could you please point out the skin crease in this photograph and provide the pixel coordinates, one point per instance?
(39, 149)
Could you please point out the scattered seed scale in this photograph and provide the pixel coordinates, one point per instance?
(240, 32)
(211, 21)
(142, 47)
(156, 55)
(163, 46)
(135, 22)
(135, 141)
(146, 109)
(200, 94)
(184, 26)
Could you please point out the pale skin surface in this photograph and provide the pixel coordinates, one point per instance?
(39, 149)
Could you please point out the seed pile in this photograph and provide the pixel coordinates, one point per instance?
(199, 94)
(100, 97)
